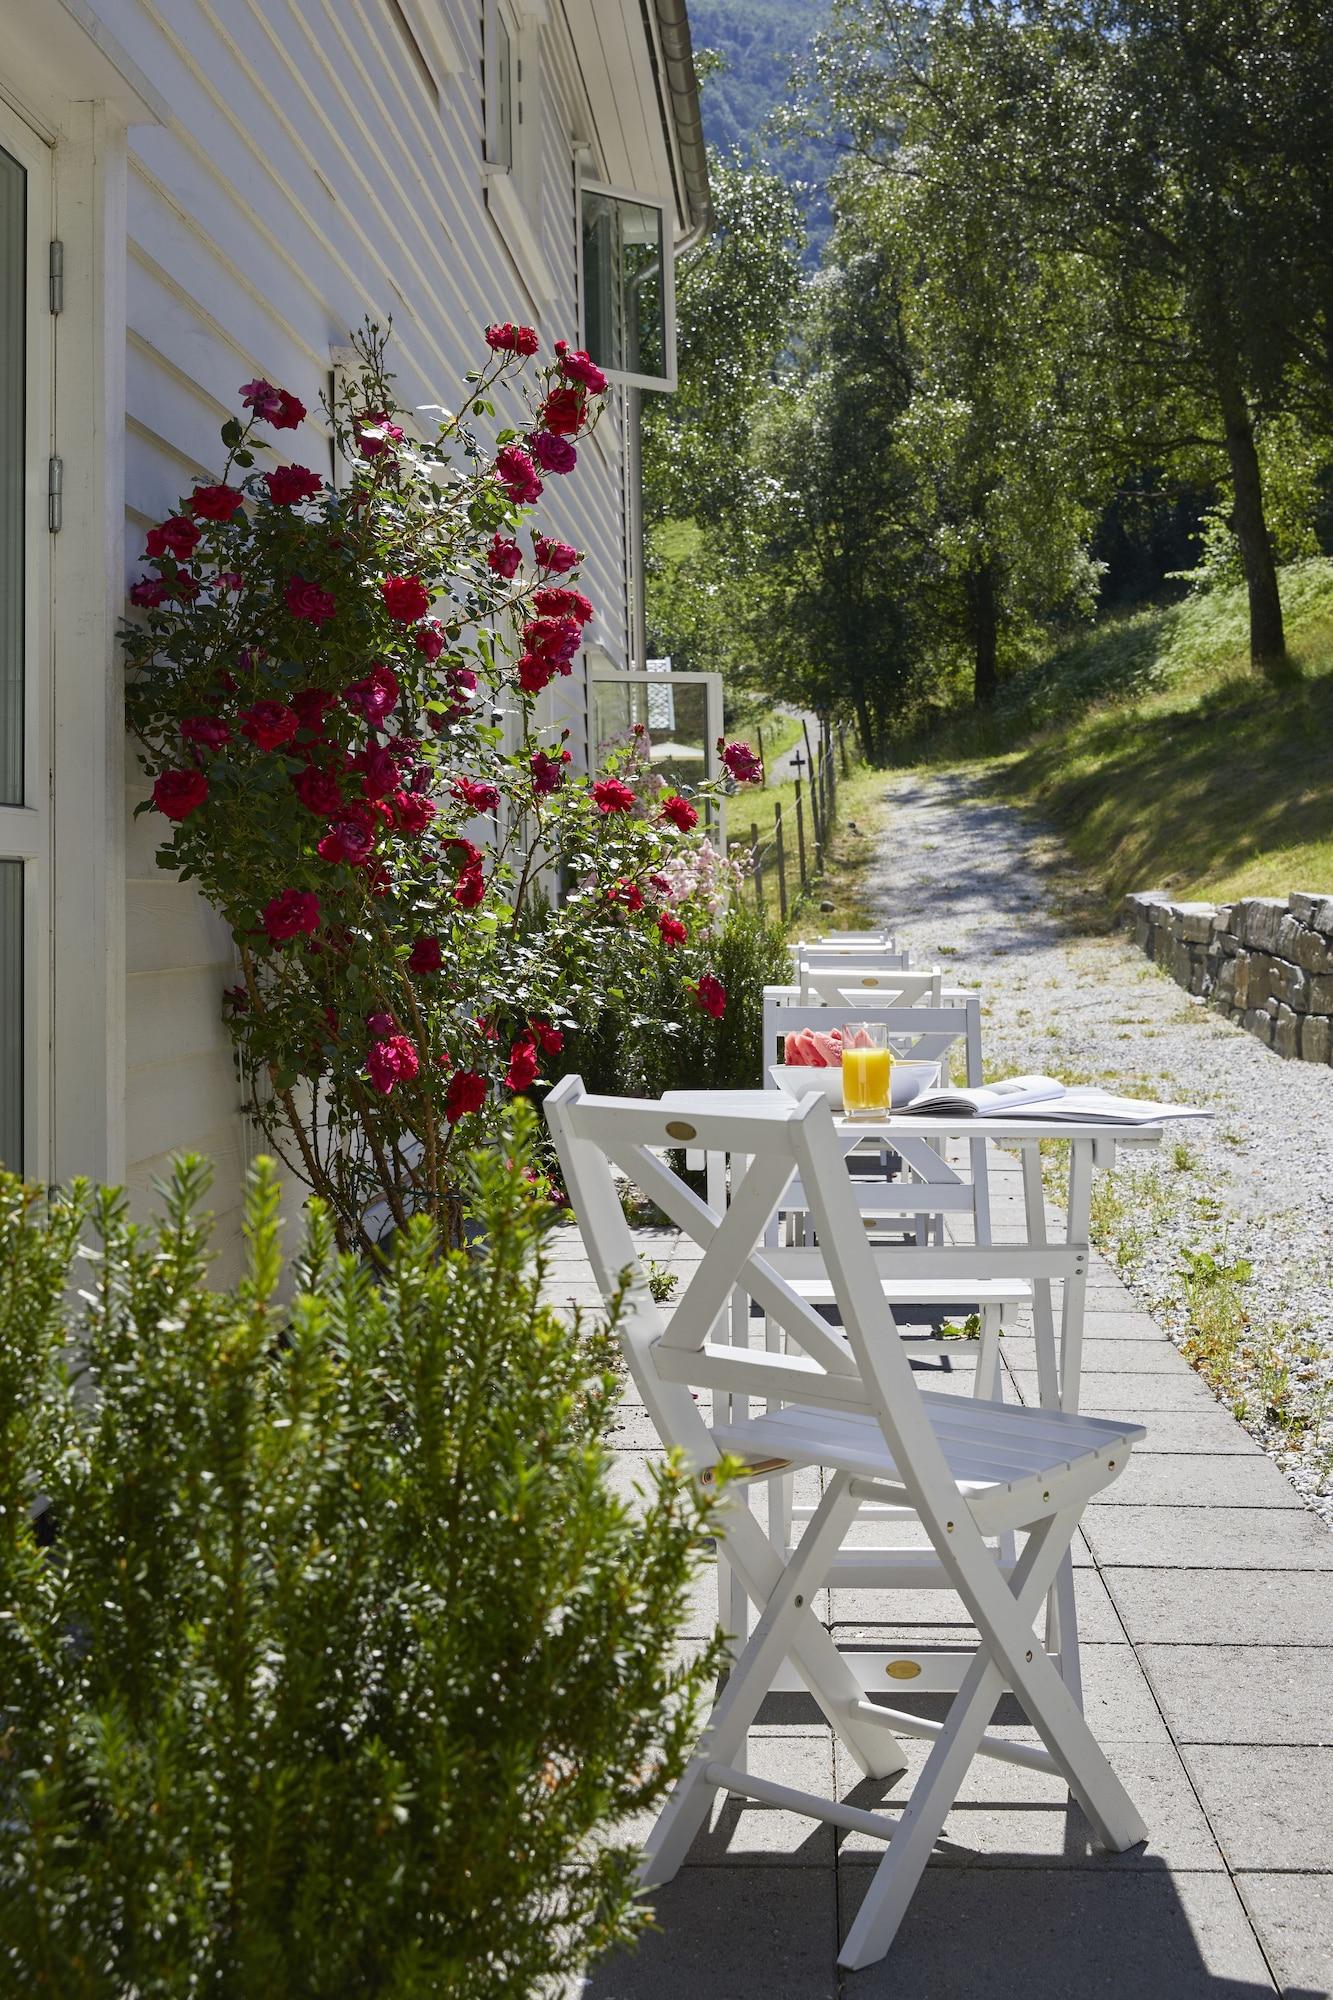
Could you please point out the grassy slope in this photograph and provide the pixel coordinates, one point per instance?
(1188, 772)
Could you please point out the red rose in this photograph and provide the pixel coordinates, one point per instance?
(551, 1039)
(673, 931)
(391, 1061)
(462, 853)
(555, 602)
(610, 795)
(177, 536)
(179, 793)
(149, 592)
(680, 812)
(413, 811)
(205, 729)
(291, 412)
(628, 893)
(289, 915)
(289, 484)
(307, 601)
(347, 840)
(228, 579)
(563, 411)
(273, 406)
(375, 695)
(379, 771)
(518, 475)
(548, 773)
(503, 556)
(511, 339)
(470, 888)
(380, 1025)
(711, 995)
(374, 433)
(318, 791)
(553, 454)
(215, 503)
(269, 724)
(476, 793)
(744, 766)
(429, 638)
(310, 705)
(425, 955)
(534, 673)
(406, 598)
(522, 1071)
(466, 1094)
(555, 556)
(553, 639)
(578, 366)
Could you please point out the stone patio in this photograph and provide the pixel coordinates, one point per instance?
(1206, 1594)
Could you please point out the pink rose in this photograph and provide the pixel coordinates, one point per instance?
(293, 913)
(553, 454)
(578, 366)
(374, 696)
(391, 1061)
(269, 724)
(406, 598)
(308, 602)
(289, 484)
(178, 536)
(610, 795)
(215, 503)
(555, 556)
(518, 475)
(503, 556)
(177, 794)
(744, 766)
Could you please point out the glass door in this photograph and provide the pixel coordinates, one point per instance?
(25, 447)
(674, 719)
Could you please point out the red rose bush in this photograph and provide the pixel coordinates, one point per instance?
(339, 692)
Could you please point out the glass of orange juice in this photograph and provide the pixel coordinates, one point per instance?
(866, 1068)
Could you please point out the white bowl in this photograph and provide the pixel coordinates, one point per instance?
(907, 1080)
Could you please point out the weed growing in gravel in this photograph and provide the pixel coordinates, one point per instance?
(1184, 1159)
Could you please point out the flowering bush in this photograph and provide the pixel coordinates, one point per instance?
(337, 694)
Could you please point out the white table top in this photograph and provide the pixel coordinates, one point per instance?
(902, 1125)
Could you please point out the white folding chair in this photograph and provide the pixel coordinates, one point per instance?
(850, 1406)
(855, 983)
(818, 951)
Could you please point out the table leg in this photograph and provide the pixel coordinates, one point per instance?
(1061, 1615)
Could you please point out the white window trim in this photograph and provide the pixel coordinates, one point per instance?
(435, 38)
(584, 182)
(514, 193)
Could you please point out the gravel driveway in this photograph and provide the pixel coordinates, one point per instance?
(989, 890)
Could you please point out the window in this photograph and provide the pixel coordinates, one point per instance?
(511, 53)
(25, 444)
(626, 286)
(503, 81)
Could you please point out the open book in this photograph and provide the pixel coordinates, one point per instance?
(1041, 1097)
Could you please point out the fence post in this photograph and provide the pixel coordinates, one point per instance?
(782, 858)
(800, 833)
(757, 864)
(763, 766)
(842, 749)
(811, 762)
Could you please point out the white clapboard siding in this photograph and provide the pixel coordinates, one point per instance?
(307, 177)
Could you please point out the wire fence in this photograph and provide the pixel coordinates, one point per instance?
(786, 860)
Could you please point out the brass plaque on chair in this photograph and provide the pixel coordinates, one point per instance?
(870, 982)
(678, 1129)
(903, 1670)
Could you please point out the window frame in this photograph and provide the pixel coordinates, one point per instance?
(26, 828)
(662, 384)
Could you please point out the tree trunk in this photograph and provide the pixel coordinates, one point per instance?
(1268, 647)
(984, 621)
(865, 728)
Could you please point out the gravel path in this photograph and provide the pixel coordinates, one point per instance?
(988, 890)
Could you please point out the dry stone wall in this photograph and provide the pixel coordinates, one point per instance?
(1265, 962)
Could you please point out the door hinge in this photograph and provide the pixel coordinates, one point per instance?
(55, 494)
(57, 276)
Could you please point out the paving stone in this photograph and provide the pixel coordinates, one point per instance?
(1126, 1323)
(740, 1832)
(1060, 1934)
(1243, 1694)
(1007, 1817)
(1294, 1917)
(1208, 1430)
(1235, 1607)
(1268, 1805)
(1131, 1395)
(729, 1933)
(1117, 1700)
(937, 1617)
(1193, 1479)
(1195, 1537)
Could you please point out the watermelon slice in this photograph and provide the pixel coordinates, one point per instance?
(861, 1040)
(829, 1046)
(791, 1052)
(809, 1051)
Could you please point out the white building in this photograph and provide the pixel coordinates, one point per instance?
(192, 193)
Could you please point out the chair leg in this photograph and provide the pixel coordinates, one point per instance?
(988, 1354)
(748, 1682)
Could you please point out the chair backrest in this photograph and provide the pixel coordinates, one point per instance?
(854, 984)
(861, 1365)
(883, 956)
(923, 1034)
(843, 940)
